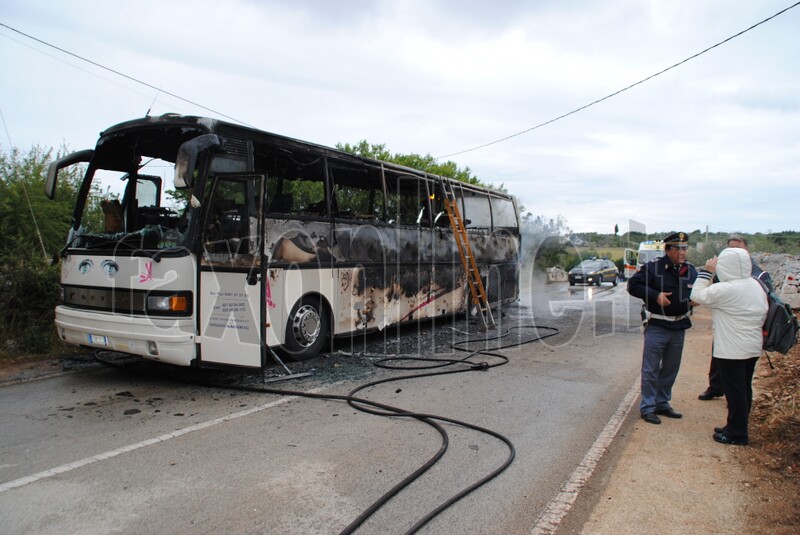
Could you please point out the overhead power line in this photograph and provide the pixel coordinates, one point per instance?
(118, 73)
(615, 93)
(506, 138)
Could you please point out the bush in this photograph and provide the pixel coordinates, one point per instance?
(30, 293)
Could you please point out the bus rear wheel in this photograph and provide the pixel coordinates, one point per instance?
(306, 330)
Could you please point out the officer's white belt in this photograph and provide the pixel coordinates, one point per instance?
(668, 318)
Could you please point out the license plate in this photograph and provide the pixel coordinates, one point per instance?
(97, 339)
(578, 277)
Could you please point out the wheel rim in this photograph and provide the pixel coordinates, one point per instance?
(306, 325)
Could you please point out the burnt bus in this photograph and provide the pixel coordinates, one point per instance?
(266, 242)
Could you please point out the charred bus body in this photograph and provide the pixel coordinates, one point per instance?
(269, 242)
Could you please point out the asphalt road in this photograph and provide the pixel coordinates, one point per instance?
(107, 451)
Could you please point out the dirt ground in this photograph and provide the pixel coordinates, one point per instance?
(671, 478)
(773, 459)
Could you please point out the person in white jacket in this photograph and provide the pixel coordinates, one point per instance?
(738, 307)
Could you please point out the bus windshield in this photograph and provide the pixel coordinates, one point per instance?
(134, 210)
(124, 202)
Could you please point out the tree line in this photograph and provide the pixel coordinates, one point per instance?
(555, 245)
(787, 241)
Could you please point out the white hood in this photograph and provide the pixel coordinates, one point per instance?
(733, 263)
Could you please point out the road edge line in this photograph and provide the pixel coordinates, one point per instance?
(562, 502)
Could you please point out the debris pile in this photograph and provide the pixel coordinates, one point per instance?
(556, 274)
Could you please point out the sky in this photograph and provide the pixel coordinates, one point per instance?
(712, 144)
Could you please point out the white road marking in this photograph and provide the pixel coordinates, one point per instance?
(149, 442)
(562, 502)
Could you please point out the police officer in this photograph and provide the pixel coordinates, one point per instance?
(664, 284)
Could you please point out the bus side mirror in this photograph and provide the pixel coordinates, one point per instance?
(83, 156)
(187, 158)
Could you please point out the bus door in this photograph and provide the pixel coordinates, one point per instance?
(231, 263)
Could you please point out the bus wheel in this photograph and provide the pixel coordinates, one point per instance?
(307, 329)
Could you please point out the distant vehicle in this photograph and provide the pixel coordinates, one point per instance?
(649, 250)
(629, 264)
(594, 271)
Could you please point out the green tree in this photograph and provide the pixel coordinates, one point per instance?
(34, 229)
(28, 219)
(426, 163)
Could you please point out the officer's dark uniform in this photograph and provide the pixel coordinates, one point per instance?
(666, 326)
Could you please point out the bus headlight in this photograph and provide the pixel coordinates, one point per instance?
(171, 304)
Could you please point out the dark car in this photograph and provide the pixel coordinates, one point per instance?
(594, 272)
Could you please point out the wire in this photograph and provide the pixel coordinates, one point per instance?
(615, 93)
(118, 73)
(25, 190)
(5, 126)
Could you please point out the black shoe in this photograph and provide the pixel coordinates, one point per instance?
(709, 394)
(719, 430)
(722, 438)
(669, 412)
(651, 418)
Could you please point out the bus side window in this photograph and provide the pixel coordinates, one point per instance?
(503, 213)
(477, 213)
(438, 209)
(295, 181)
(281, 203)
(407, 200)
(357, 191)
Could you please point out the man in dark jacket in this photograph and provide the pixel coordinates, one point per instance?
(664, 284)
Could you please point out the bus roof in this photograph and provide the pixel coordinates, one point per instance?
(208, 125)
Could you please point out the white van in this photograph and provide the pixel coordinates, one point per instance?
(649, 250)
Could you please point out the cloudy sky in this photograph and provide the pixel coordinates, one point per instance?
(712, 143)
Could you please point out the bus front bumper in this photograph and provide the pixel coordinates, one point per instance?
(169, 340)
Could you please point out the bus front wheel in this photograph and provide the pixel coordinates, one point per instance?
(307, 329)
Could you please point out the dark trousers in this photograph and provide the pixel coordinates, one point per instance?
(661, 361)
(737, 385)
(714, 379)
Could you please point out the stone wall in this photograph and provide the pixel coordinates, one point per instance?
(784, 270)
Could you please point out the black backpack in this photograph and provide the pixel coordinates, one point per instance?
(780, 328)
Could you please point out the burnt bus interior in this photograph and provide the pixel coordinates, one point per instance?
(302, 184)
(137, 220)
